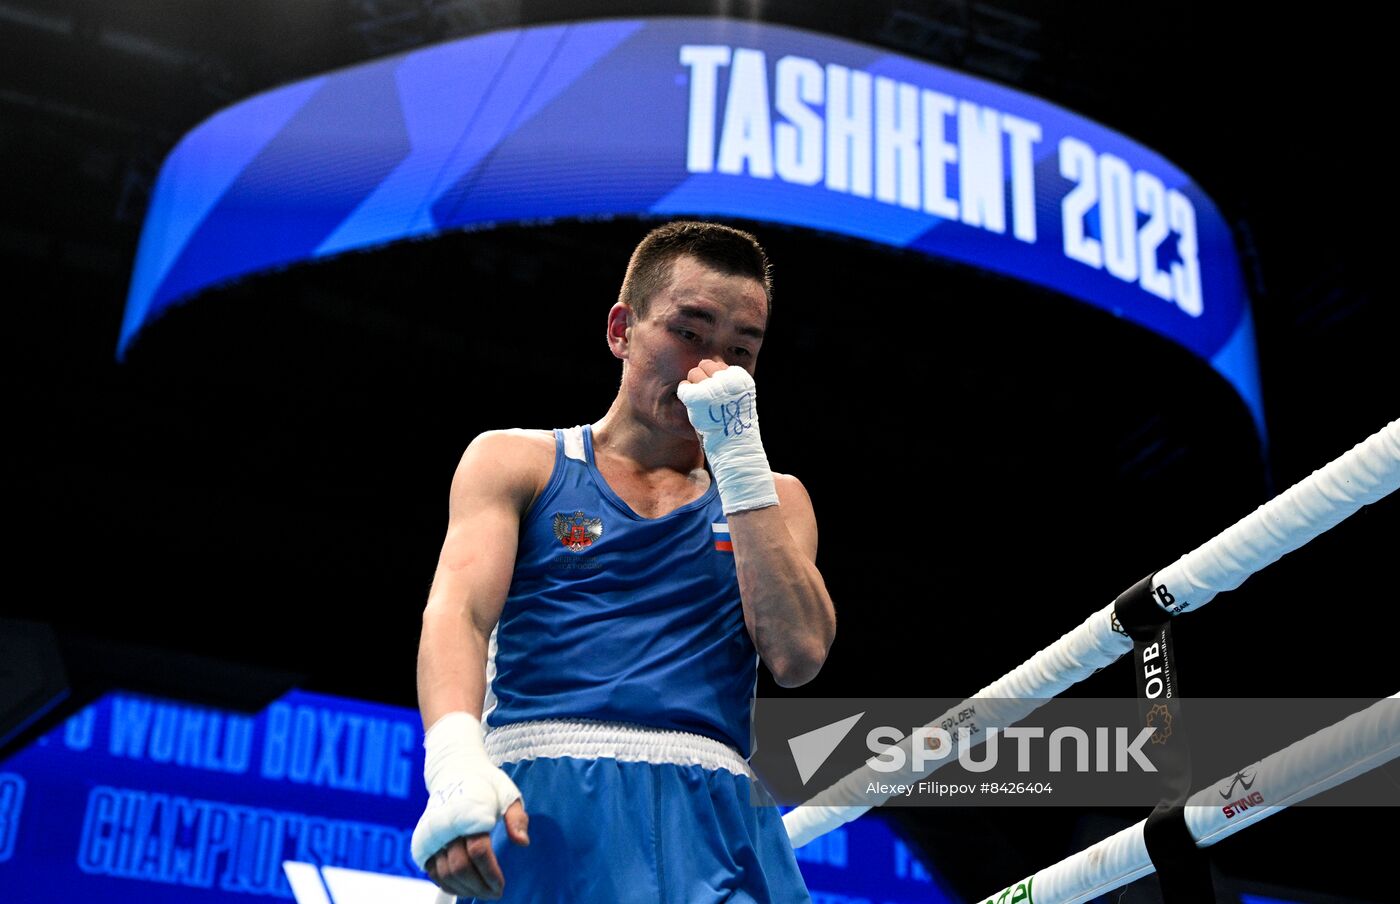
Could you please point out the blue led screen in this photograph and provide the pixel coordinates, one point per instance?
(313, 800)
(708, 117)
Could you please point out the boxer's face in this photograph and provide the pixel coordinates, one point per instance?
(701, 313)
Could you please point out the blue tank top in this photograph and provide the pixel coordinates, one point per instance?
(621, 618)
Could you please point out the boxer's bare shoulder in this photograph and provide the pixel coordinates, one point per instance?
(518, 461)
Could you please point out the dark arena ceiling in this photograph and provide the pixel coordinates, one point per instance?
(264, 480)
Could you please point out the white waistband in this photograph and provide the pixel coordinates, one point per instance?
(547, 738)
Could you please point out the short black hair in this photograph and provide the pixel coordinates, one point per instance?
(725, 249)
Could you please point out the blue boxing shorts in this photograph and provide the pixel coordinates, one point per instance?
(623, 814)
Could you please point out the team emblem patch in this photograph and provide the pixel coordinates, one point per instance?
(577, 531)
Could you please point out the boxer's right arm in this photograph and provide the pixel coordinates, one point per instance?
(494, 484)
(491, 489)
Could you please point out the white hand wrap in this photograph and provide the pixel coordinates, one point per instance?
(724, 410)
(467, 793)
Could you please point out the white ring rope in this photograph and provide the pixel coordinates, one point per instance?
(1366, 473)
(1307, 767)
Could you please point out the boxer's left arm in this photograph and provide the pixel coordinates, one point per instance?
(787, 608)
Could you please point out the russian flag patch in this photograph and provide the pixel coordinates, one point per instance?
(722, 541)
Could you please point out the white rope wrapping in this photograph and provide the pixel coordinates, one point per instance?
(1004, 702)
(1305, 768)
(1310, 507)
(1366, 473)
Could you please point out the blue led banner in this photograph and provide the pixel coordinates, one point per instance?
(709, 117)
(313, 800)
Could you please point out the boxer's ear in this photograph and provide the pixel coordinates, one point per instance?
(620, 322)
